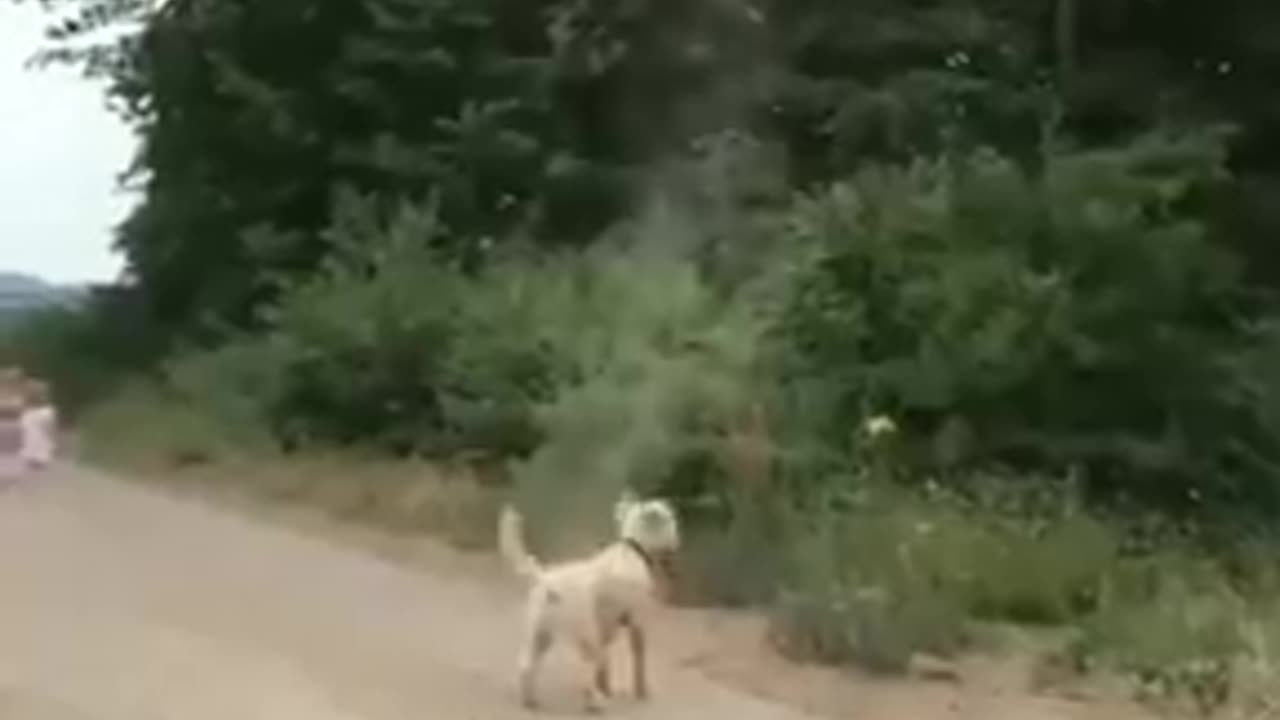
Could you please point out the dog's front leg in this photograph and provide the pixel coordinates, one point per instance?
(639, 653)
(604, 668)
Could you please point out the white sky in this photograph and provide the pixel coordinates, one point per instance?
(60, 153)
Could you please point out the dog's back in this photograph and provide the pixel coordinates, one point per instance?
(599, 593)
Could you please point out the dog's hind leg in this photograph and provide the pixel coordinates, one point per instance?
(595, 657)
(536, 646)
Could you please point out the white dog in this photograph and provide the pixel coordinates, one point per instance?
(586, 602)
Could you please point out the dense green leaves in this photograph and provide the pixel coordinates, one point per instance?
(538, 115)
(1013, 228)
(1064, 318)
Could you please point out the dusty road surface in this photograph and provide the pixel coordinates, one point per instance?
(118, 603)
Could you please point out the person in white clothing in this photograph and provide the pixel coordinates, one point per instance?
(39, 427)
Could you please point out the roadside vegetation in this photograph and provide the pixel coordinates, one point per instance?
(930, 347)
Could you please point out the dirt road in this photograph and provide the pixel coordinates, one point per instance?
(117, 603)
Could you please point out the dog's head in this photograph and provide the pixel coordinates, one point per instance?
(651, 524)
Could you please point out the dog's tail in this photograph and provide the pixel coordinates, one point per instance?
(511, 544)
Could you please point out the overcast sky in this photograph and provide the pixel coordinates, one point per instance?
(60, 152)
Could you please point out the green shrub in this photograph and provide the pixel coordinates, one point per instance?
(1172, 626)
(657, 363)
(1075, 315)
(861, 585)
(390, 347)
(1255, 690)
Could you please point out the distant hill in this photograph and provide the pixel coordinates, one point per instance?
(21, 293)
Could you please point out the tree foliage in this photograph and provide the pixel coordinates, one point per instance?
(1014, 228)
(1068, 317)
(536, 115)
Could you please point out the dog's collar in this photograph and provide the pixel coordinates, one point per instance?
(638, 549)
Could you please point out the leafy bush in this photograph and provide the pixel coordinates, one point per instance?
(878, 572)
(1073, 316)
(1254, 682)
(858, 590)
(659, 363)
(390, 346)
(360, 342)
(1172, 626)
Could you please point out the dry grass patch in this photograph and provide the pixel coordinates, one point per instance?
(402, 497)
